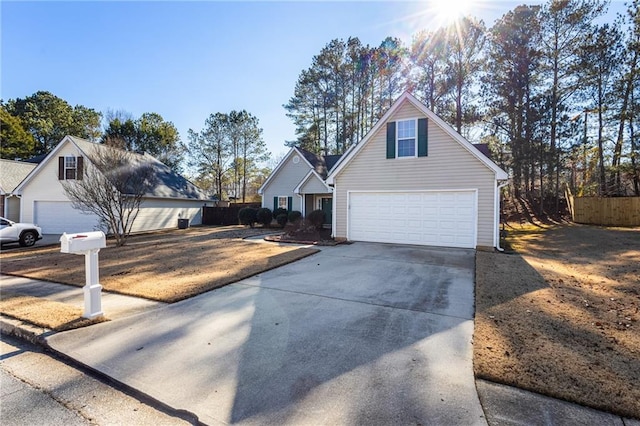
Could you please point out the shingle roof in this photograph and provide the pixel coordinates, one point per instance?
(484, 149)
(322, 164)
(167, 183)
(12, 173)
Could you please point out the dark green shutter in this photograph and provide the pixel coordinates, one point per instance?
(422, 137)
(289, 203)
(275, 203)
(391, 139)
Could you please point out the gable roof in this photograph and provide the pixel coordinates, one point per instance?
(303, 182)
(320, 164)
(166, 182)
(408, 97)
(12, 173)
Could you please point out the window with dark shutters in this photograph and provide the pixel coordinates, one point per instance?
(70, 167)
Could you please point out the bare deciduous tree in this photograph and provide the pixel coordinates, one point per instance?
(112, 188)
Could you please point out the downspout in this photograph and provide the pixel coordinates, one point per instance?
(333, 211)
(496, 202)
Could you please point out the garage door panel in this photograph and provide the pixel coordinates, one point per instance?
(56, 217)
(440, 218)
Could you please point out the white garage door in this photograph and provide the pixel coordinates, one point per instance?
(56, 217)
(435, 218)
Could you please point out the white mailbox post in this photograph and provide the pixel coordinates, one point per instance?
(89, 244)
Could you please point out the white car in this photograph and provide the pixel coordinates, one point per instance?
(24, 233)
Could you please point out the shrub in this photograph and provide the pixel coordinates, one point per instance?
(248, 216)
(282, 219)
(294, 216)
(264, 216)
(316, 218)
(277, 212)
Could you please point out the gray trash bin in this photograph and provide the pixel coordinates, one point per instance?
(183, 223)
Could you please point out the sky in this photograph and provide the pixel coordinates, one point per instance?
(187, 60)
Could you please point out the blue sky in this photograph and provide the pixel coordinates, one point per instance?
(186, 60)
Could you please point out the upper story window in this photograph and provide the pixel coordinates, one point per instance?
(70, 167)
(406, 138)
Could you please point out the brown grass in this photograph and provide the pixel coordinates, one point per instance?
(167, 267)
(44, 313)
(560, 316)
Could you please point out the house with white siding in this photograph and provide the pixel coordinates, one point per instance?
(414, 180)
(11, 174)
(298, 183)
(44, 201)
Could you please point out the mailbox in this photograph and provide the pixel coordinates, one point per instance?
(89, 244)
(82, 242)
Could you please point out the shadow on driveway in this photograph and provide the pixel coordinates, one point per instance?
(364, 333)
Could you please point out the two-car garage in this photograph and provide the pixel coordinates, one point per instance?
(438, 218)
(56, 217)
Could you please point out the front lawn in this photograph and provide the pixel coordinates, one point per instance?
(165, 266)
(560, 316)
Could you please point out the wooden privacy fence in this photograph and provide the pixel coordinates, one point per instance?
(224, 215)
(609, 211)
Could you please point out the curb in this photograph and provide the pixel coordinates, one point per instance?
(37, 336)
(25, 331)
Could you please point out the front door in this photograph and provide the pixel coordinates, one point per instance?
(326, 205)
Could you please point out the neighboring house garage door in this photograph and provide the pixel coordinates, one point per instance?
(436, 218)
(56, 217)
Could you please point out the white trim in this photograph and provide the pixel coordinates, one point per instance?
(471, 190)
(334, 214)
(306, 178)
(53, 153)
(280, 165)
(406, 96)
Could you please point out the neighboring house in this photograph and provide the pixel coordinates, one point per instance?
(414, 180)
(11, 174)
(298, 183)
(43, 200)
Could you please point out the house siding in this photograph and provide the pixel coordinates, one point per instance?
(161, 214)
(284, 182)
(313, 186)
(448, 166)
(154, 213)
(45, 186)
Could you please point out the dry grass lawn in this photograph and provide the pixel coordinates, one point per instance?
(167, 266)
(561, 315)
(44, 313)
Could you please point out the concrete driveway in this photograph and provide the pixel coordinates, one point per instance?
(356, 334)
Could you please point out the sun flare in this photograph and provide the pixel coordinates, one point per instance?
(448, 11)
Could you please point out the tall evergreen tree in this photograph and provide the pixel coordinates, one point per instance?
(510, 84)
(564, 25)
(49, 119)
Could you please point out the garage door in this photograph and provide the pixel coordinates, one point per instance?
(56, 217)
(436, 218)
